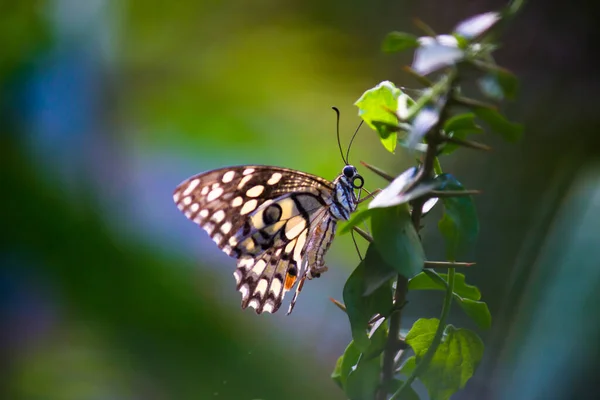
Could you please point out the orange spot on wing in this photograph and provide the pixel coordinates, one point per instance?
(289, 281)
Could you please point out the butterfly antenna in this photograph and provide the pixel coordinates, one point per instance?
(352, 140)
(345, 160)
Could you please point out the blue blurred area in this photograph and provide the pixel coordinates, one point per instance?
(108, 292)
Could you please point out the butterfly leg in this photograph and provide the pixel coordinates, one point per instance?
(315, 272)
(369, 195)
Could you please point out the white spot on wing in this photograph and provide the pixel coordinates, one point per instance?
(249, 206)
(204, 190)
(218, 216)
(176, 197)
(261, 287)
(255, 191)
(298, 250)
(244, 291)
(259, 267)
(238, 276)
(294, 229)
(192, 185)
(268, 307)
(226, 227)
(187, 200)
(204, 213)
(214, 194)
(233, 241)
(228, 177)
(248, 171)
(237, 201)
(254, 303)
(209, 227)
(195, 207)
(246, 263)
(276, 177)
(276, 287)
(244, 181)
(217, 237)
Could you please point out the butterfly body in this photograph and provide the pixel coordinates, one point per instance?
(277, 222)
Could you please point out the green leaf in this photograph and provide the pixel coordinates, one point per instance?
(477, 310)
(360, 308)
(510, 131)
(375, 105)
(424, 281)
(499, 83)
(490, 87)
(378, 343)
(409, 366)
(459, 224)
(378, 271)
(397, 241)
(454, 361)
(465, 121)
(345, 364)
(460, 126)
(408, 394)
(363, 381)
(508, 82)
(357, 218)
(395, 42)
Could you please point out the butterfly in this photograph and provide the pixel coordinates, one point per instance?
(277, 222)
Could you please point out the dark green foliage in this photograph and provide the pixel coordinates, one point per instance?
(434, 124)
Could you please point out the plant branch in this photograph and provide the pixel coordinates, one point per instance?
(434, 138)
(437, 338)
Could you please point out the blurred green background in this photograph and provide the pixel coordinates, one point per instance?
(108, 292)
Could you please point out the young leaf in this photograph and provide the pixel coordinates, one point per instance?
(459, 127)
(363, 381)
(425, 119)
(379, 272)
(476, 26)
(477, 310)
(490, 87)
(508, 130)
(396, 192)
(436, 53)
(423, 281)
(374, 105)
(360, 307)
(459, 224)
(409, 394)
(465, 121)
(397, 241)
(454, 361)
(395, 42)
(345, 364)
(356, 219)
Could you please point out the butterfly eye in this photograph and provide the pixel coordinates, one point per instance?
(349, 171)
(358, 182)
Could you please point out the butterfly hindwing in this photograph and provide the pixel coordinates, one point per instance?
(262, 216)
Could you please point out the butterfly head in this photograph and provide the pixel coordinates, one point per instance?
(344, 198)
(352, 176)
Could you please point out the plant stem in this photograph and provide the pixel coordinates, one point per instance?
(434, 138)
(437, 338)
(393, 339)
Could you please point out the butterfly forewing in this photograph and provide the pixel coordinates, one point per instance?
(264, 216)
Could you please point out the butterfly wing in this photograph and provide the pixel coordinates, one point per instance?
(265, 217)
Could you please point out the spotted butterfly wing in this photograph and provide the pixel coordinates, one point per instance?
(277, 222)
